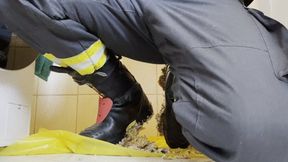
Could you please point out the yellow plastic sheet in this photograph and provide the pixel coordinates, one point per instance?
(188, 153)
(159, 141)
(60, 142)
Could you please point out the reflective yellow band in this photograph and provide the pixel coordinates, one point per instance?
(99, 64)
(86, 62)
(52, 58)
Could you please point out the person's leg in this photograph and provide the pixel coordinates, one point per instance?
(47, 27)
(229, 101)
(71, 27)
(119, 24)
(130, 103)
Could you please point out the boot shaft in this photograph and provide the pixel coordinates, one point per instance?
(112, 80)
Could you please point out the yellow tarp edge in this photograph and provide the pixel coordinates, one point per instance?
(61, 142)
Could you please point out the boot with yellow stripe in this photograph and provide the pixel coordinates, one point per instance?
(130, 103)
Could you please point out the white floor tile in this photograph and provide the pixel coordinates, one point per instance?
(85, 158)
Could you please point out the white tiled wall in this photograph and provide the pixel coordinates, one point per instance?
(56, 112)
(62, 104)
(58, 84)
(86, 111)
(276, 9)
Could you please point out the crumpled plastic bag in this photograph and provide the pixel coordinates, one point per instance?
(61, 142)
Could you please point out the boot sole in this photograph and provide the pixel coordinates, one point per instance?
(172, 130)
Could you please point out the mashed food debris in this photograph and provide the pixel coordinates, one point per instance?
(135, 141)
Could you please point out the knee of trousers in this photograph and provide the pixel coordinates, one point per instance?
(215, 135)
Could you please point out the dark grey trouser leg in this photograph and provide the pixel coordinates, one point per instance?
(47, 34)
(230, 101)
(66, 28)
(119, 24)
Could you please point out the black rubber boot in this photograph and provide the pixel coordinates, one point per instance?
(130, 103)
(247, 2)
(171, 128)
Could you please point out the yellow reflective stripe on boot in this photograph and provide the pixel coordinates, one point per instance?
(99, 64)
(94, 59)
(86, 62)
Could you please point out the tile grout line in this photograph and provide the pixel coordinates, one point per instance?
(77, 110)
(36, 106)
(35, 115)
